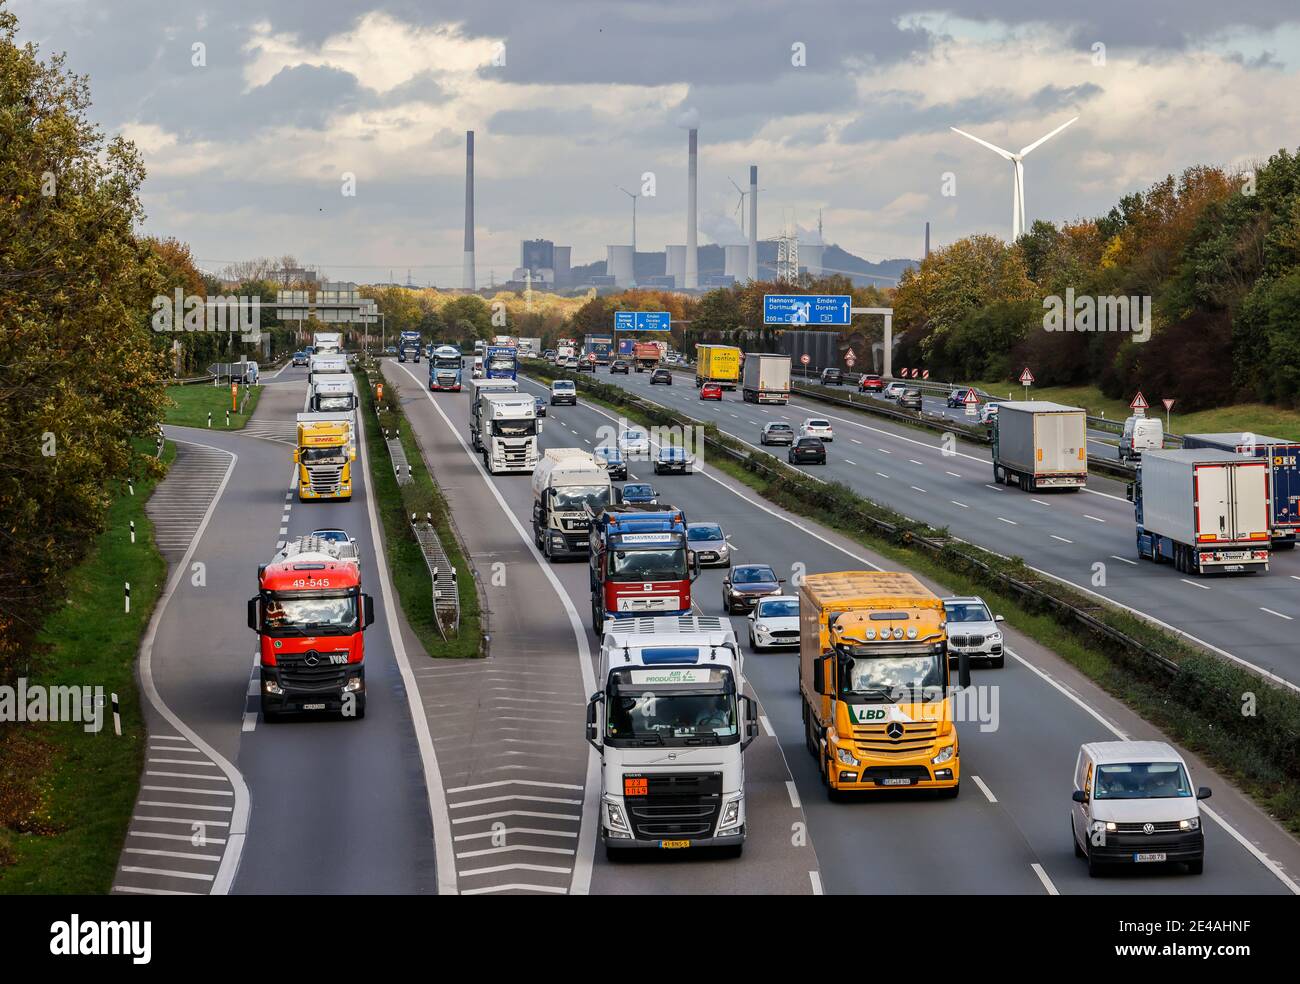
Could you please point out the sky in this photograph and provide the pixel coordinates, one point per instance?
(335, 130)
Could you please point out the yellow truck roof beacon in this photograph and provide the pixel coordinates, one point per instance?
(874, 677)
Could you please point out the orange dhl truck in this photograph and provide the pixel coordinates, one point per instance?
(874, 676)
(309, 615)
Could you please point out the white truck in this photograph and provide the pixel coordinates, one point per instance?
(480, 388)
(1040, 445)
(326, 365)
(765, 378)
(1203, 510)
(670, 723)
(509, 432)
(326, 342)
(565, 483)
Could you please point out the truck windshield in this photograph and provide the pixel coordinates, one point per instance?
(886, 677)
(576, 497)
(333, 404)
(447, 362)
(1142, 780)
(286, 614)
(514, 428)
(321, 456)
(670, 718)
(502, 364)
(660, 564)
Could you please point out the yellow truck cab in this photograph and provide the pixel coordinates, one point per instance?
(875, 682)
(324, 455)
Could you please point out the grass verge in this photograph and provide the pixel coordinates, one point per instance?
(66, 795)
(1203, 705)
(190, 406)
(396, 503)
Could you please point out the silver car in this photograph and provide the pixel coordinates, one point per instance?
(973, 630)
(776, 432)
(708, 542)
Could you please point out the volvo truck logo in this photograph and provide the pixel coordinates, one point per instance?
(312, 657)
(894, 730)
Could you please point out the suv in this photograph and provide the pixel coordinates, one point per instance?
(832, 377)
(911, 400)
(664, 376)
(777, 432)
(300, 358)
(973, 631)
(817, 427)
(957, 399)
(893, 391)
(870, 383)
(807, 450)
(563, 391)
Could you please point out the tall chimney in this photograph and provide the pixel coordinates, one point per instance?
(753, 223)
(467, 278)
(927, 240)
(692, 253)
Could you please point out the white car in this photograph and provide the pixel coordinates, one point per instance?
(893, 391)
(973, 630)
(817, 427)
(634, 440)
(988, 413)
(344, 544)
(774, 623)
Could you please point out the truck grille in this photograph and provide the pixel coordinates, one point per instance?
(676, 805)
(326, 479)
(916, 738)
(325, 676)
(515, 456)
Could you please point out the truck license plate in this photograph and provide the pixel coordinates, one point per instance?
(580, 543)
(1154, 856)
(313, 707)
(674, 844)
(896, 782)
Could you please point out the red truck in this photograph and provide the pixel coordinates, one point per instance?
(646, 355)
(639, 562)
(310, 616)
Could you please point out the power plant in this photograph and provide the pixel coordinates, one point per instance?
(467, 274)
(692, 278)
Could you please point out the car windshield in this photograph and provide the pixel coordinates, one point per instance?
(577, 497)
(665, 717)
(752, 575)
(297, 614)
(634, 435)
(334, 536)
(1142, 780)
(652, 564)
(637, 491)
(785, 608)
(672, 453)
(704, 533)
(609, 454)
(888, 675)
(967, 611)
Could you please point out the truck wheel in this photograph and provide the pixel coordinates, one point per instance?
(999, 475)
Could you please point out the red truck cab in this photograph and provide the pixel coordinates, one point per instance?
(310, 616)
(639, 563)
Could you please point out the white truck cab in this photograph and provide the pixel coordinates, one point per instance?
(1134, 803)
(566, 484)
(671, 723)
(509, 432)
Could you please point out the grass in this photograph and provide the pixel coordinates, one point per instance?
(67, 795)
(395, 504)
(1200, 706)
(190, 406)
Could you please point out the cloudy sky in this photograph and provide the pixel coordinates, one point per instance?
(250, 114)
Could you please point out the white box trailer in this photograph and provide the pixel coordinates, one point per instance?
(1203, 510)
(1040, 445)
(478, 389)
(766, 378)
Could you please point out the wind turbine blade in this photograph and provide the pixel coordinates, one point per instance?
(982, 143)
(1042, 140)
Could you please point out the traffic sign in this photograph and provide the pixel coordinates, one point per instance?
(972, 401)
(591, 356)
(807, 309)
(642, 320)
(1026, 377)
(925, 374)
(1139, 404)
(850, 359)
(902, 373)
(805, 359)
(1169, 404)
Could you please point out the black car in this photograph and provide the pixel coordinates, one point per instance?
(661, 376)
(832, 377)
(957, 399)
(300, 358)
(745, 584)
(541, 406)
(808, 451)
(614, 462)
(673, 459)
(910, 400)
(618, 365)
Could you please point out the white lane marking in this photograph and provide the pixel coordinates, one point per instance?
(225, 875)
(1125, 560)
(816, 879)
(767, 726)
(917, 488)
(915, 462)
(1040, 502)
(954, 474)
(442, 845)
(581, 883)
(166, 874)
(883, 451)
(515, 782)
(1203, 587)
(1295, 577)
(1042, 877)
(793, 790)
(1278, 614)
(850, 461)
(855, 440)
(1095, 519)
(988, 793)
(1061, 538)
(995, 488)
(956, 503)
(1003, 519)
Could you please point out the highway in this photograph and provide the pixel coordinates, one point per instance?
(1085, 538)
(332, 806)
(1008, 830)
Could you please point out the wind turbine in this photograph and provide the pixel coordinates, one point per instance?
(1018, 165)
(740, 206)
(633, 196)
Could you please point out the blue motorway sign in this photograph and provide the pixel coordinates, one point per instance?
(807, 309)
(642, 321)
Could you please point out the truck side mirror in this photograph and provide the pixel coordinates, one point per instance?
(751, 721)
(821, 670)
(695, 566)
(963, 670)
(369, 604)
(593, 732)
(295, 456)
(252, 614)
(1128, 492)
(1079, 796)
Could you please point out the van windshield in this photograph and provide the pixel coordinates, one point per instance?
(1142, 780)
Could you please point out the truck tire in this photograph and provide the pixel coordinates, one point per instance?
(999, 475)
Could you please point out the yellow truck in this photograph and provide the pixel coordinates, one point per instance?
(324, 455)
(717, 364)
(875, 681)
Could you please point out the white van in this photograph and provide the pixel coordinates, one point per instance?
(1134, 803)
(1140, 433)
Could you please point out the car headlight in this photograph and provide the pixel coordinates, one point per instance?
(732, 814)
(944, 755)
(1098, 826)
(846, 757)
(995, 636)
(1192, 824)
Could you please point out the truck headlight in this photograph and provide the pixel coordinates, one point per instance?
(732, 814)
(271, 687)
(846, 757)
(1192, 824)
(614, 817)
(353, 685)
(944, 755)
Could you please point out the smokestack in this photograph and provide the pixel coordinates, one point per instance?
(927, 240)
(692, 253)
(753, 223)
(467, 278)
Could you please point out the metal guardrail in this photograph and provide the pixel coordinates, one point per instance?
(397, 455)
(446, 588)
